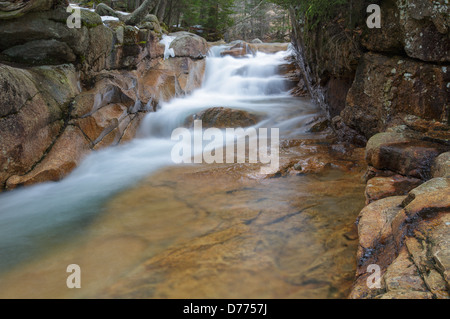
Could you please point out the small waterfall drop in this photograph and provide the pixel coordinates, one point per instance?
(38, 216)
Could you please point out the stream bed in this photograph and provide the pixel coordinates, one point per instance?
(140, 226)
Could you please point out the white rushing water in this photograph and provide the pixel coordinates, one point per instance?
(35, 217)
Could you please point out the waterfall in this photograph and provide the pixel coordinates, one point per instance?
(42, 215)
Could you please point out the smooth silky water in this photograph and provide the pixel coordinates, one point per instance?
(141, 227)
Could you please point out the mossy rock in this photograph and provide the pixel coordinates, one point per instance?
(90, 19)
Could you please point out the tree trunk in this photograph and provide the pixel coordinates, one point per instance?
(139, 14)
(161, 10)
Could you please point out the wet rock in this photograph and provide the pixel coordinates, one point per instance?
(381, 187)
(238, 50)
(403, 153)
(222, 117)
(166, 79)
(372, 172)
(386, 88)
(294, 81)
(314, 164)
(375, 219)
(269, 48)
(256, 41)
(319, 125)
(419, 232)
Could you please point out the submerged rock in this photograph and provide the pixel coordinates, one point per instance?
(222, 117)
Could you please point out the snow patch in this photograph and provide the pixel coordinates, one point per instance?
(109, 18)
(168, 52)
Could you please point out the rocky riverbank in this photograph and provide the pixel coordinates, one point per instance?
(389, 88)
(66, 92)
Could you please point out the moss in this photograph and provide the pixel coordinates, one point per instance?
(90, 19)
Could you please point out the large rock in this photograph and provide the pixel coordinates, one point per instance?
(15, 9)
(418, 27)
(404, 153)
(386, 88)
(166, 79)
(63, 157)
(41, 38)
(34, 104)
(426, 29)
(189, 45)
(375, 219)
(407, 236)
(388, 38)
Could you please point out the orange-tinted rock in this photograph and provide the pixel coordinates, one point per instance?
(375, 220)
(381, 187)
(102, 122)
(63, 157)
(403, 274)
(429, 198)
(408, 244)
(166, 79)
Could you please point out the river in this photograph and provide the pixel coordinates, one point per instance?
(140, 226)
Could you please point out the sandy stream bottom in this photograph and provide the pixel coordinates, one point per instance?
(214, 231)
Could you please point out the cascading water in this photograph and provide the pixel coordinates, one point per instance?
(35, 218)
